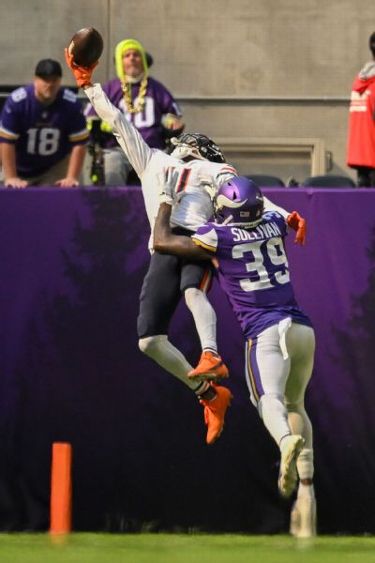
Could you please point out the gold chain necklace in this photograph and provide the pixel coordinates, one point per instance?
(127, 89)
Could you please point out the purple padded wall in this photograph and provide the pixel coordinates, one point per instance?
(72, 264)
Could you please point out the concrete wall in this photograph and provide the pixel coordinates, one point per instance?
(287, 64)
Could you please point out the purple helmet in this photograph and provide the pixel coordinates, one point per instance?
(239, 202)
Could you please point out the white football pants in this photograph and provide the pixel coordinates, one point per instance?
(279, 364)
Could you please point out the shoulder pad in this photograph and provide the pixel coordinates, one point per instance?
(19, 94)
(271, 214)
(69, 96)
(206, 237)
(227, 169)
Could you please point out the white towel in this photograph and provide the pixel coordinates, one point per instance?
(283, 328)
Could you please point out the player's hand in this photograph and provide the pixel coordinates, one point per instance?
(67, 183)
(15, 183)
(206, 182)
(167, 180)
(298, 224)
(172, 121)
(83, 75)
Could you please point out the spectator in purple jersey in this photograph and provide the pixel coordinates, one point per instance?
(43, 132)
(147, 104)
(248, 246)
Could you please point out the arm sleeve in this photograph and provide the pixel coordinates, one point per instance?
(131, 142)
(368, 71)
(78, 134)
(9, 125)
(79, 137)
(279, 218)
(169, 104)
(164, 100)
(269, 206)
(89, 111)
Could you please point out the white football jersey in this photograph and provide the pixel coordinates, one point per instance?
(193, 202)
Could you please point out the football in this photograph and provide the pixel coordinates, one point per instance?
(86, 46)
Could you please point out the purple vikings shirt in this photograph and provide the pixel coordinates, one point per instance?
(158, 102)
(43, 134)
(253, 272)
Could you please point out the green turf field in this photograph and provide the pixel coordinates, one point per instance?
(178, 548)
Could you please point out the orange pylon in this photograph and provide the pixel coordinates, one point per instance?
(61, 489)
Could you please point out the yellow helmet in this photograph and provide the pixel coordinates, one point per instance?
(124, 46)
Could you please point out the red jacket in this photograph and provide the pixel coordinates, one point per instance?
(361, 135)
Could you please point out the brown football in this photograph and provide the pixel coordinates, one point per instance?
(86, 46)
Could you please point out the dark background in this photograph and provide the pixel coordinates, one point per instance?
(70, 370)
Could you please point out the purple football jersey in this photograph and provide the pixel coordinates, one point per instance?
(253, 271)
(158, 102)
(43, 134)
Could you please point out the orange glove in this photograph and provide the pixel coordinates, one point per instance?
(81, 74)
(297, 223)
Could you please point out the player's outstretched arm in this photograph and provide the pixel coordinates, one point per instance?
(131, 142)
(166, 242)
(293, 219)
(270, 206)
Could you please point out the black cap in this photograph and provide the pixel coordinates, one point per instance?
(149, 59)
(47, 68)
(372, 43)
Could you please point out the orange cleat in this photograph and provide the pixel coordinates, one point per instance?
(210, 368)
(214, 413)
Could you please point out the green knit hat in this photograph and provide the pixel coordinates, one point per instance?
(124, 46)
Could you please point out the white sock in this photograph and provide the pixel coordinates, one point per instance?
(169, 358)
(305, 491)
(305, 463)
(204, 317)
(299, 422)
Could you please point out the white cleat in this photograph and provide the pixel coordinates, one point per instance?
(290, 450)
(303, 518)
